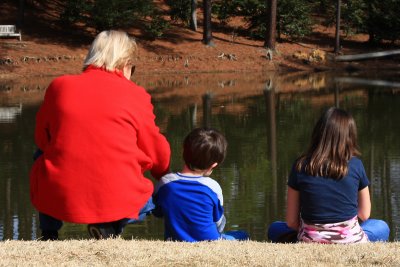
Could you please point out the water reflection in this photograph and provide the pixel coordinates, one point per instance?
(267, 120)
(270, 104)
(9, 114)
(207, 110)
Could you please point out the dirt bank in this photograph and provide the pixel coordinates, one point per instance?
(181, 51)
(51, 48)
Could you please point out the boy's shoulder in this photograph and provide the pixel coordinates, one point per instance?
(169, 178)
(203, 180)
(176, 176)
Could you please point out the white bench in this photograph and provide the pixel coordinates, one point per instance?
(10, 31)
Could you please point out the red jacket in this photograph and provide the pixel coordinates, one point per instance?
(98, 135)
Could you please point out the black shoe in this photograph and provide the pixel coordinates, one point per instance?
(49, 235)
(101, 231)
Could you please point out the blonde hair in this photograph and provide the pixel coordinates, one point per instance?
(111, 50)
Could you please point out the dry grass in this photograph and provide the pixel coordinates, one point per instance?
(121, 252)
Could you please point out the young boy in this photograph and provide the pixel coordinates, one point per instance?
(190, 201)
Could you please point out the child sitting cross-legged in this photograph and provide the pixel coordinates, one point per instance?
(328, 194)
(190, 201)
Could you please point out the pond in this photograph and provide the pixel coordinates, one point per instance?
(267, 120)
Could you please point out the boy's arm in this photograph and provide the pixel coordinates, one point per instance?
(221, 224)
(219, 217)
(157, 211)
(156, 197)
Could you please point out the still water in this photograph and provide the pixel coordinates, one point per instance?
(267, 121)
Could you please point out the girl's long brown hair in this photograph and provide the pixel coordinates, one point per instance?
(333, 143)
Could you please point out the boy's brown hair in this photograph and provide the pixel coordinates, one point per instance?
(202, 147)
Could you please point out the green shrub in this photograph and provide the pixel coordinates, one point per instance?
(111, 14)
(157, 27)
(293, 16)
(180, 10)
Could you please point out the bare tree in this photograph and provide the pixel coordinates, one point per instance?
(270, 33)
(21, 15)
(193, 15)
(337, 34)
(207, 32)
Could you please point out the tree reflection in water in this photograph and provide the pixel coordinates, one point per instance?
(267, 121)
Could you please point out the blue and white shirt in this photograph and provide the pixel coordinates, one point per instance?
(191, 206)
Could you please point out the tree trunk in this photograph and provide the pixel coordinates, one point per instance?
(193, 17)
(207, 32)
(337, 41)
(370, 28)
(21, 14)
(270, 33)
(371, 37)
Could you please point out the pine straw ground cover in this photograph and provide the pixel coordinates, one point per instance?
(119, 252)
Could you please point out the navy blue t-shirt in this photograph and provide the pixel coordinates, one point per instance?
(326, 200)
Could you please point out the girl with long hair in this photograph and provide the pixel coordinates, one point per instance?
(328, 190)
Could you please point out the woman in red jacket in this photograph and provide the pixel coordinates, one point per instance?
(98, 136)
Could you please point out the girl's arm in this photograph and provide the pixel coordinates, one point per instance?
(293, 208)
(364, 204)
